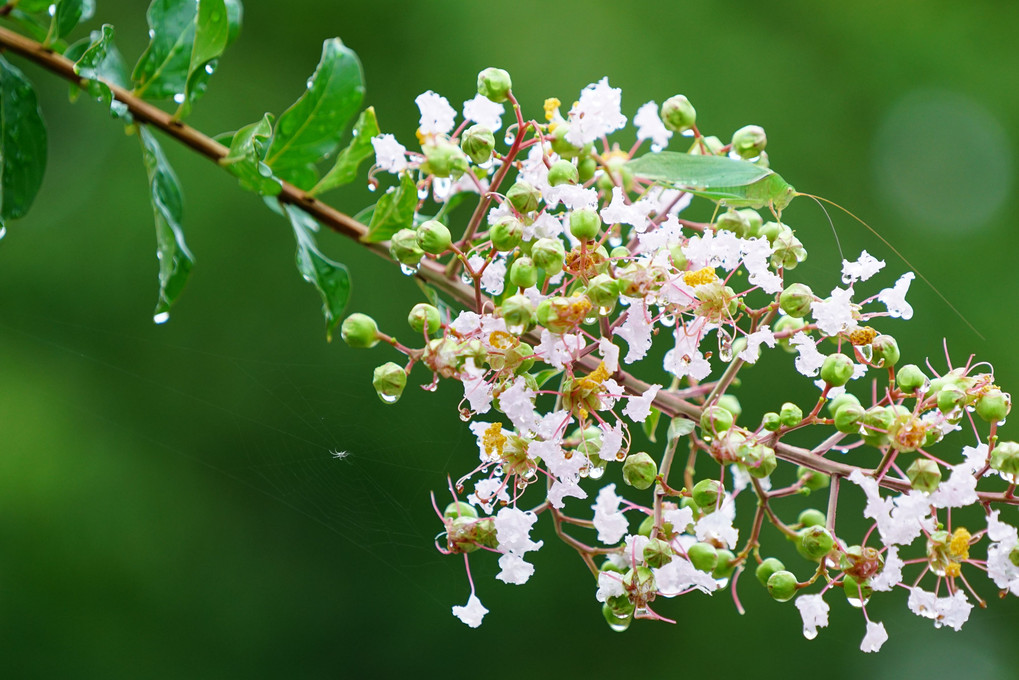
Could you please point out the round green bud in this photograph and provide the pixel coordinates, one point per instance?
(1013, 557)
(706, 493)
(731, 404)
(726, 564)
(951, 397)
(459, 509)
(1005, 459)
(855, 590)
(703, 556)
(389, 379)
(523, 196)
(678, 114)
(782, 585)
(433, 237)
(619, 253)
(789, 251)
(640, 470)
(549, 254)
(586, 167)
(812, 479)
(494, 84)
(422, 316)
(758, 459)
(848, 418)
(403, 247)
(771, 421)
(523, 273)
(994, 405)
(444, 159)
(924, 475)
(603, 291)
(585, 224)
(768, 567)
(771, 230)
(560, 145)
(877, 423)
(715, 419)
(506, 233)
(754, 219)
(657, 553)
(734, 221)
(837, 369)
(796, 300)
(679, 260)
(478, 142)
(517, 311)
(910, 378)
(749, 141)
(838, 402)
(563, 172)
(649, 523)
(791, 414)
(885, 351)
(812, 517)
(360, 331)
(524, 354)
(814, 542)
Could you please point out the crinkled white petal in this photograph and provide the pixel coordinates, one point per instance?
(437, 116)
(472, 612)
(484, 112)
(650, 126)
(862, 269)
(875, 637)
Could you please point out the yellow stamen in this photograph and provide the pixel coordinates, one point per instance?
(421, 136)
(493, 439)
(959, 545)
(862, 336)
(953, 569)
(551, 108)
(593, 381)
(501, 339)
(700, 277)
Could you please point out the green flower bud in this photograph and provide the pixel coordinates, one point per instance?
(796, 300)
(560, 314)
(649, 523)
(360, 331)
(994, 405)
(771, 422)
(459, 509)
(523, 273)
(789, 251)
(856, 591)
(678, 113)
(814, 542)
(433, 237)
(838, 402)
(703, 556)
(1005, 459)
(495, 84)
(924, 475)
(403, 247)
(749, 141)
(640, 470)
(782, 585)
(603, 291)
(478, 142)
(951, 397)
(771, 230)
(549, 254)
(586, 167)
(523, 196)
(885, 351)
(679, 260)
(657, 553)
(734, 221)
(910, 378)
(812, 479)
(706, 493)
(877, 423)
(524, 354)
(714, 146)
(726, 564)
(563, 172)
(837, 369)
(517, 312)
(754, 219)
(506, 233)
(731, 404)
(443, 159)
(423, 315)
(758, 459)
(768, 567)
(715, 419)
(1013, 557)
(560, 145)
(640, 582)
(848, 418)
(791, 414)
(811, 517)
(619, 253)
(585, 224)
(389, 379)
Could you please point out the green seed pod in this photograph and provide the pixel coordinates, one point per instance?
(560, 145)
(1005, 459)
(734, 221)
(640, 470)
(585, 224)
(848, 418)
(749, 141)
(814, 542)
(523, 273)
(715, 419)
(706, 493)
(563, 172)
(771, 421)
(837, 369)
(549, 254)
(389, 379)
(523, 196)
(782, 586)
(924, 475)
(403, 247)
(360, 331)
(495, 84)
(771, 230)
(811, 517)
(885, 351)
(444, 159)
(768, 567)
(910, 378)
(790, 414)
(657, 553)
(703, 556)
(518, 312)
(812, 479)
(838, 402)
(506, 233)
(678, 114)
(424, 315)
(758, 459)
(731, 404)
(603, 291)
(877, 423)
(459, 509)
(433, 237)
(796, 300)
(726, 564)
(951, 397)
(478, 142)
(789, 251)
(649, 523)
(994, 405)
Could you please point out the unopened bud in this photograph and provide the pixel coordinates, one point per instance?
(885, 351)
(422, 316)
(812, 479)
(563, 172)
(812, 517)
(837, 369)
(994, 405)
(640, 470)
(771, 421)
(749, 141)
(910, 378)
(678, 114)
(758, 459)
(796, 300)
(523, 273)
(706, 493)
(478, 142)
(433, 237)
(734, 221)
(523, 196)
(814, 542)
(726, 564)
(603, 291)
(443, 159)
(389, 379)
(790, 414)
(782, 586)
(517, 311)
(788, 250)
(924, 475)
(1005, 459)
(715, 419)
(549, 254)
(768, 567)
(951, 397)
(360, 331)
(459, 509)
(877, 422)
(403, 247)
(703, 556)
(848, 418)
(495, 84)
(657, 553)
(585, 224)
(506, 233)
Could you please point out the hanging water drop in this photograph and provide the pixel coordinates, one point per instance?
(209, 68)
(441, 188)
(389, 398)
(3, 232)
(423, 193)
(52, 10)
(178, 98)
(466, 279)
(408, 270)
(596, 472)
(161, 317)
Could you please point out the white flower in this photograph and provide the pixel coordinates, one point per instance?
(597, 113)
(718, 524)
(952, 611)
(752, 352)
(514, 570)
(891, 574)
(472, 613)
(809, 360)
(875, 637)
(862, 269)
(573, 196)
(517, 402)
(390, 155)
(558, 350)
(512, 529)
(650, 126)
(638, 409)
(814, 611)
(484, 112)
(493, 280)
(610, 355)
(611, 440)
(608, 520)
(487, 492)
(610, 584)
(563, 488)
(835, 314)
(958, 491)
(636, 331)
(894, 298)
(679, 518)
(685, 359)
(619, 212)
(679, 575)
(437, 115)
(476, 390)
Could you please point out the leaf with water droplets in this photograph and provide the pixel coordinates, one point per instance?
(330, 278)
(348, 161)
(22, 143)
(212, 35)
(244, 159)
(312, 128)
(175, 260)
(100, 62)
(394, 211)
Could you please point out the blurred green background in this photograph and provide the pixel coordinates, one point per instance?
(169, 502)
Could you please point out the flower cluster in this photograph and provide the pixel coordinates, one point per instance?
(575, 261)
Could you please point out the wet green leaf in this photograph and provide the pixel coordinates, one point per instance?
(175, 260)
(680, 427)
(312, 128)
(394, 211)
(344, 170)
(212, 33)
(330, 278)
(162, 71)
(244, 160)
(101, 61)
(69, 13)
(650, 424)
(22, 143)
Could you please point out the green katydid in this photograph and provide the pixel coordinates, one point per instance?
(741, 184)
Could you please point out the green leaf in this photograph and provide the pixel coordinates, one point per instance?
(312, 127)
(234, 15)
(735, 183)
(680, 427)
(212, 32)
(22, 143)
(394, 211)
(69, 13)
(330, 278)
(650, 424)
(162, 70)
(344, 170)
(175, 260)
(244, 159)
(101, 61)
(544, 376)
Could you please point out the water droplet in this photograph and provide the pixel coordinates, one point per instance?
(372, 186)
(209, 68)
(441, 187)
(162, 317)
(508, 138)
(3, 232)
(857, 602)
(615, 240)
(264, 170)
(722, 582)
(596, 472)
(178, 98)
(51, 10)
(466, 279)
(389, 398)
(619, 623)
(408, 270)
(810, 634)
(516, 329)
(605, 311)
(430, 387)
(152, 34)
(423, 193)
(309, 83)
